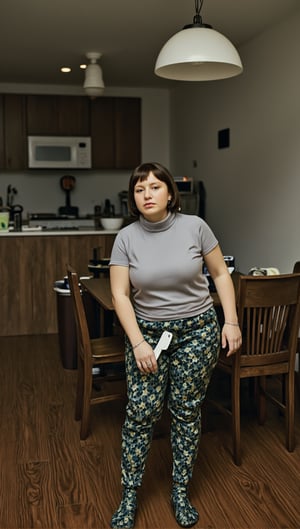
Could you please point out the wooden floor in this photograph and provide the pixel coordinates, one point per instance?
(49, 479)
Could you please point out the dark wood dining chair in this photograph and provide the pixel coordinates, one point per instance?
(296, 270)
(269, 316)
(106, 353)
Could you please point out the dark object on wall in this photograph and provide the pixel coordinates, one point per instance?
(223, 138)
(202, 200)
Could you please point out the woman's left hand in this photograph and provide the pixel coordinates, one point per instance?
(231, 337)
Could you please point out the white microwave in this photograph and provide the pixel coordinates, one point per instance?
(59, 152)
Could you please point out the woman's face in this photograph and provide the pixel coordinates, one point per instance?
(151, 197)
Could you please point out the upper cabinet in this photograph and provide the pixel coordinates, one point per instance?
(102, 132)
(127, 132)
(114, 124)
(57, 115)
(2, 164)
(116, 132)
(12, 132)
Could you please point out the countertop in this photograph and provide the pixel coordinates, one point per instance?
(56, 233)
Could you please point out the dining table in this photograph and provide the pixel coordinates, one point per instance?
(99, 289)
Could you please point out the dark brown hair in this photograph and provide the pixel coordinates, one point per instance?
(141, 173)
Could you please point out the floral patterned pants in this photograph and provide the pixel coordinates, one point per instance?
(184, 371)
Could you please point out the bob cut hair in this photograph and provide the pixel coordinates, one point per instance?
(141, 173)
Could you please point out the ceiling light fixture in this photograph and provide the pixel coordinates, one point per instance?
(93, 82)
(198, 53)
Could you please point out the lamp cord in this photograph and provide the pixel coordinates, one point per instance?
(198, 7)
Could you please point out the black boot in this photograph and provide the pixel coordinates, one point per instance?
(124, 516)
(186, 515)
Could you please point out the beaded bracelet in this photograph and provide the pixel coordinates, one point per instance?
(231, 323)
(137, 344)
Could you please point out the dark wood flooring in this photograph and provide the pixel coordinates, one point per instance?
(49, 479)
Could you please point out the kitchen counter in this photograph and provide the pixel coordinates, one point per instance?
(31, 263)
(57, 233)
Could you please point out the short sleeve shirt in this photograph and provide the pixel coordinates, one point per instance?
(165, 261)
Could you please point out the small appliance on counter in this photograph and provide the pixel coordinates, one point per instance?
(192, 196)
(230, 263)
(53, 222)
(184, 184)
(67, 183)
(15, 210)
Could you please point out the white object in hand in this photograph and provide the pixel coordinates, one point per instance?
(163, 343)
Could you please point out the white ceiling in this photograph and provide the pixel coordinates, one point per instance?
(39, 36)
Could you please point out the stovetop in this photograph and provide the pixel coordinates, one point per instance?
(58, 223)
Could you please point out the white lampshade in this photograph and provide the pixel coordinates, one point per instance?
(198, 54)
(93, 82)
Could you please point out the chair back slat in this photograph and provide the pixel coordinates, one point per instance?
(267, 309)
(265, 329)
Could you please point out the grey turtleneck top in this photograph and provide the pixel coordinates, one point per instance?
(165, 261)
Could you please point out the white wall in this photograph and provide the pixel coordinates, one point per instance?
(40, 191)
(253, 187)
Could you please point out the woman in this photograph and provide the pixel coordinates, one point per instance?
(157, 284)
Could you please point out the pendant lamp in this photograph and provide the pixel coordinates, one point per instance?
(198, 53)
(93, 82)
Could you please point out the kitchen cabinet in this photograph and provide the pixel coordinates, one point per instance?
(102, 133)
(116, 132)
(30, 266)
(1, 132)
(58, 115)
(114, 124)
(13, 148)
(128, 132)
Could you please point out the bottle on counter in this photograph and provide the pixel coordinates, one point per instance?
(17, 222)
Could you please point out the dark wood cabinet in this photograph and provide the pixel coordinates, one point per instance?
(128, 132)
(14, 146)
(116, 132)
(114, 124)
(2, 161)
(58, 115)
(102, 133)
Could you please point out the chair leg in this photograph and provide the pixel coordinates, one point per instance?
(79, 391)
(290, 411)
(297, 382)
(236, 419)
(86, 406)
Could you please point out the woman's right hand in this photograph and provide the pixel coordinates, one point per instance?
(145, 358)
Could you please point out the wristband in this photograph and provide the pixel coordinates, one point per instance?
(137, 344)
(231, 323)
